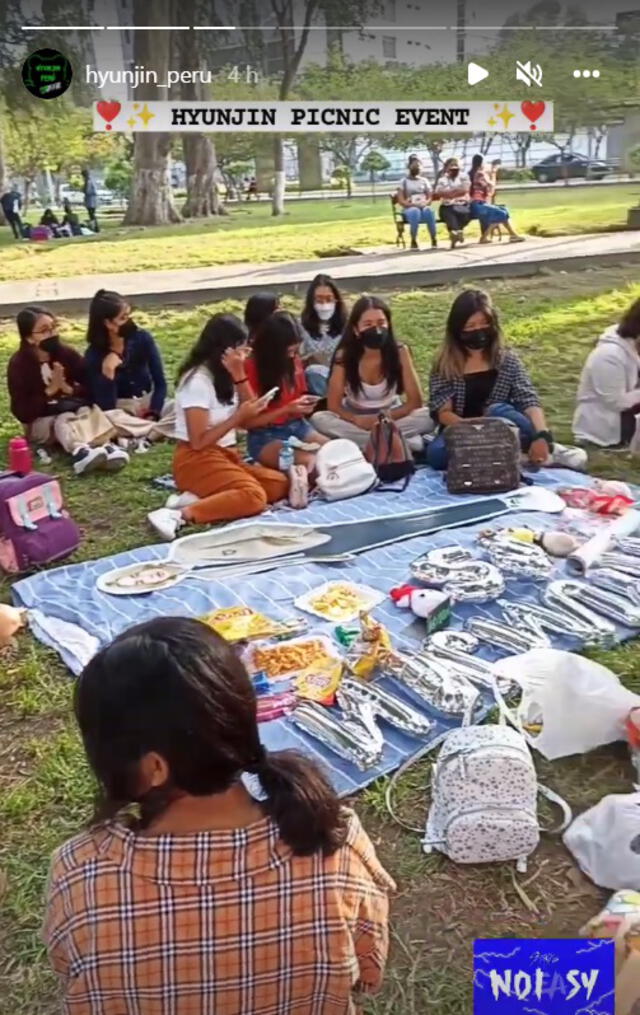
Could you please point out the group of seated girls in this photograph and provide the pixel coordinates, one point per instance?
(235, 379)
(462, 197)
(85, 404)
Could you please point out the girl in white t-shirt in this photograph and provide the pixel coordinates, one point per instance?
(214, 398)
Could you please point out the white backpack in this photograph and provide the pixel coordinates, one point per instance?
(343, 471)
(484, 797)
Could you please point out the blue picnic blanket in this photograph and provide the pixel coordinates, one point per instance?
(69, 595)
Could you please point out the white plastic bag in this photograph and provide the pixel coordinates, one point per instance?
(605, 841)
(580, 704)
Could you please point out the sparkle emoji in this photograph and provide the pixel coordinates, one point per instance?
(146, 115)
(505, 115)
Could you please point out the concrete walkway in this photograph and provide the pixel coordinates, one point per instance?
(385, 267)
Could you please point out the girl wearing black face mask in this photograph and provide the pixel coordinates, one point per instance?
(474, 375)
(372, 373)
(47, 388)
(124, 367)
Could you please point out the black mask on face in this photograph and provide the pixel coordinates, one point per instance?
(127, 329)
(50, 345)
(374, 338)
(478, 339)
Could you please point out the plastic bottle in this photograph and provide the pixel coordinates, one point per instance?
(20, 460)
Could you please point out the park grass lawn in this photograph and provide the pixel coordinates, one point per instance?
(310, 229)
(45, 789)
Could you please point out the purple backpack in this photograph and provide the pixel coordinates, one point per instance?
(35, 529)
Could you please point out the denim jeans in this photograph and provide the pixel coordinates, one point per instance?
(317, 377)
(437, 450)
(415, 215)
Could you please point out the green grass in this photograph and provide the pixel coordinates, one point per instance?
(310, 229)
(45, 788)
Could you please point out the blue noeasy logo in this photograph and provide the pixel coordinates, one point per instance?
(514, 976)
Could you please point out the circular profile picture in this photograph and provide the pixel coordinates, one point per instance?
(47, 74)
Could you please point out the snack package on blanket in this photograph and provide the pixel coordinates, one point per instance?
(241, 623)
(620, 919)
(370, 647)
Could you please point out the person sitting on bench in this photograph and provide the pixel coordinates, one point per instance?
(489, 215)
(414, 197)
(452, 187)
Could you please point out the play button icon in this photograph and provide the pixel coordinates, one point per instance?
(476, 73)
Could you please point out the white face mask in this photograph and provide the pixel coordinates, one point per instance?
(325, 311)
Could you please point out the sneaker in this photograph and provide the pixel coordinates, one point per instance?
(298, 486)
(175, 501)
(88, 460)
(414, 245)
(434, 243)
(568, 458)
(116, 458)
(166, 523)
(517, 239)
(141, 446)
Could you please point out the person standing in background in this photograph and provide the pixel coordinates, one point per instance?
(11, 204)
(414, 197)
(90, 199)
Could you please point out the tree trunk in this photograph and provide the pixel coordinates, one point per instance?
(151, 200)
(200, 160)
(3, 175)
(277, 205)
(309, 164)
(199, 153)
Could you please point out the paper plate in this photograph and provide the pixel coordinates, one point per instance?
(141, 579)
(348, 605)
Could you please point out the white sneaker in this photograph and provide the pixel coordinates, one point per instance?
(166, 523)
(568, 458)
(116, 458)
(88, 459)
(180, 500)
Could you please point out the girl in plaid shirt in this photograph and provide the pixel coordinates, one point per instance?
(222, 897)
(475, 375)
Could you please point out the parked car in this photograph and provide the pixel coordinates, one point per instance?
(572, 166)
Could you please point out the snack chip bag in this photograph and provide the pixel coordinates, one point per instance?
(369, 648)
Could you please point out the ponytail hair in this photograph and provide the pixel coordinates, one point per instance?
(174, 687)
(302, 803)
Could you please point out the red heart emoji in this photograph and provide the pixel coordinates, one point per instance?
(533, 110)
(109, 110)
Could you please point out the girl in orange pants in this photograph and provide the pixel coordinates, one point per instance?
(213, 398)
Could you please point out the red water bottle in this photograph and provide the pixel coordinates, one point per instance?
(20, 459)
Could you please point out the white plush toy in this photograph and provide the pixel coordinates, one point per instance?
(422, 602)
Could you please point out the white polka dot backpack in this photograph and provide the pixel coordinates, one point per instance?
(485, 798)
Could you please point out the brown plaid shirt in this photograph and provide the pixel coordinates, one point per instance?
(215, 923)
